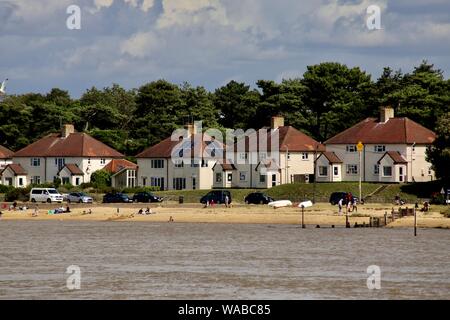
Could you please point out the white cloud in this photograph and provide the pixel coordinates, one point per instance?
(141, 45)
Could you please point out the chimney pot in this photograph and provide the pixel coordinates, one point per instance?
(276, 122)
(66, 130)
(386, 113)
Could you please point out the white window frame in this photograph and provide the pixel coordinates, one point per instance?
(351, 148)
(326, 171)
(352, 169)
(379, 148)
(384, 174)
(305, 156)
(218, 177)
(376, 169)
(35, 162)
(336, 171)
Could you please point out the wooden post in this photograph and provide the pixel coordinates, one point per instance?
(415, 222)
(303, 217)
(385, 218)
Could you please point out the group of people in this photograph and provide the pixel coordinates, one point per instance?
(212, 203)
(146, 212)
(349, 202)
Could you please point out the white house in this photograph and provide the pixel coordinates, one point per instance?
(269, 157)
(178, 164)
(14, 175)
(394, 150)
(5, 157)
(68, 155)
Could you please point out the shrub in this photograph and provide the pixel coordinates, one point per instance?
(5, 189)
(21, 194)
(101, 178)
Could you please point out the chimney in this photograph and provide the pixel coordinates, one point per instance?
(191, 128)
(66, 130)
(386, 113)
(276, 122)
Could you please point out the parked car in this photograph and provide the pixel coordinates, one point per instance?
(79, 197)
(45, 195)
(336, 196)
(258, 198)
(218, 196)
(146, 197)
(116, 198)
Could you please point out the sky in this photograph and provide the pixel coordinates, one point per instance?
(210, 42)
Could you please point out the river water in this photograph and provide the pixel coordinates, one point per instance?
(122, 260)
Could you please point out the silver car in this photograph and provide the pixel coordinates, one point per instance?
(79, 197)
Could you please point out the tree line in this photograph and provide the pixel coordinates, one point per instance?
(328, 98)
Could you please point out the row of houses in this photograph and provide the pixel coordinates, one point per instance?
(394, 152)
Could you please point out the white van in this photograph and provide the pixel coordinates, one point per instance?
(45, 195)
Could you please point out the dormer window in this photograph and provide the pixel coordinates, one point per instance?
(379, 149)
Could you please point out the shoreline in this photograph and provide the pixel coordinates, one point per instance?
(323, 215)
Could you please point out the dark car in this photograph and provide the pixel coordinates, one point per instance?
(258, 198)
(146, 197)
(336, 196)
(218, 196)
(116, 198)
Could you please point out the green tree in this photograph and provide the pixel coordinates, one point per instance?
(335, 96)
(438, 154)
(236, 104)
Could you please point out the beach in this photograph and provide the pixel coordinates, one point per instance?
(321, 214)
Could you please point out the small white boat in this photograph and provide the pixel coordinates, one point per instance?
(305, 204)
(280, 203)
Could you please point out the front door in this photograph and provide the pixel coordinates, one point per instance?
(274, 180)
(400, 174)
(194, 183)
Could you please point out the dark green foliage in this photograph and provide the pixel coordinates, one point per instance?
(101, 178)
(327, 99)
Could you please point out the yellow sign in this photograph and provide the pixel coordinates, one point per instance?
(360, 146)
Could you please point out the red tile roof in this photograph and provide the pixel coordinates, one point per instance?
(117, 165)
(17, 169)
(393, 131)
(5, 153)
(226, 166)
(164, 148)
(395, 155)
(290, 140)
(331, 157)
(73, 169)
(75, 145)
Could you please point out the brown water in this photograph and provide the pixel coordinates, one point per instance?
(219, 261)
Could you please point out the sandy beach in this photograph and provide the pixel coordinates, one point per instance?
(321, 214)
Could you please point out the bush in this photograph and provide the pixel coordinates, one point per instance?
(5, 189)
(18, 194)
(101, 178)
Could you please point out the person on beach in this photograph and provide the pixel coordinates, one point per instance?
(35, 212)
(148, 211)
(141, 211)
(1, 213)
(67, 209)
(227, 200)
(340, 203)
(170, 219)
